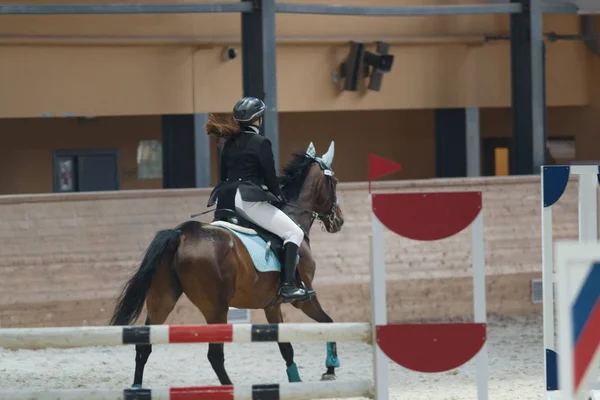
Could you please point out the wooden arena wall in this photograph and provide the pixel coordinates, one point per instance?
(64, 258)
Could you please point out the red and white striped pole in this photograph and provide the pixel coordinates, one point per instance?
(283, 391)
(35, 338)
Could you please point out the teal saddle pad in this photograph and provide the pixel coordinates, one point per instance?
(263, 258)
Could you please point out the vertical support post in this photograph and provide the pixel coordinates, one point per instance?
(564, 254)
(588, 207)
(450, 143)
(550, 366)
(473, 141)
(178, 151)
(479, 301)
(259, 65)
(201, 151)
(378, 308)
(527, 78)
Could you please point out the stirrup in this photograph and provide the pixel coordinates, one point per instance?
(311, 292)
(296, 294)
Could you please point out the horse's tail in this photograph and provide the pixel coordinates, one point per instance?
(131, 300)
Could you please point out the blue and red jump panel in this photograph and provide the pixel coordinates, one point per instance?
(585, 313)
(556, 178)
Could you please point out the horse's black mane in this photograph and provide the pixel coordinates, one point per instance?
(294, 175)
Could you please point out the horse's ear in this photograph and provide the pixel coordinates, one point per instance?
(328, 157)
(311, 151)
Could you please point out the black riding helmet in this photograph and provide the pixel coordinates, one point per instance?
(248, 110)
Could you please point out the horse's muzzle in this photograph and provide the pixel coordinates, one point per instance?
(335, 224)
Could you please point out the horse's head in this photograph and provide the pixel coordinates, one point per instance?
(310, 184)
(327, 208)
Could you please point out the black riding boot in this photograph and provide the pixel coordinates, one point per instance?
(289, 291)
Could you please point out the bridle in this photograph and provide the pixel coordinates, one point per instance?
(328, 216)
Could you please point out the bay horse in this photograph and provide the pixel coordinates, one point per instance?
(214, 269)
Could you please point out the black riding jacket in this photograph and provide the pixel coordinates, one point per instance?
(247, 163)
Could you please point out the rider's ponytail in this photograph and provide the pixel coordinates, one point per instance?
(221, 127)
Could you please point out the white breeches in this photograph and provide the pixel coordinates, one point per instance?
(269, 217)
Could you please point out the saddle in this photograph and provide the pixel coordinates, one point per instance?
(232, 217)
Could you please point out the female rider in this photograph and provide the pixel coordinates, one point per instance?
(246, 164)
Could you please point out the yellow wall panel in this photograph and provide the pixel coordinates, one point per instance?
(142, 80)
(94, 80)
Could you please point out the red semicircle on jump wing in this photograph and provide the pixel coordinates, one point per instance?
(431, 347)
(427, 216)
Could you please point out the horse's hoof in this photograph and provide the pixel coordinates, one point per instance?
(328, 377)
(136, 386)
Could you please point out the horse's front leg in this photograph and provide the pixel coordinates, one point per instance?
(274, 316)
(312, 308)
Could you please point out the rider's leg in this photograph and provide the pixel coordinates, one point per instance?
(274, 220)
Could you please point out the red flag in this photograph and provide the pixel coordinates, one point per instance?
(379, 166)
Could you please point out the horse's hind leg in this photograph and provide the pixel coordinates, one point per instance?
(312, 308)
(216, 355)
(210, 297)
(162, 297)
(274, 316)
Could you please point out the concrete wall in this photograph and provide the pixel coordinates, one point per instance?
(64, 258)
